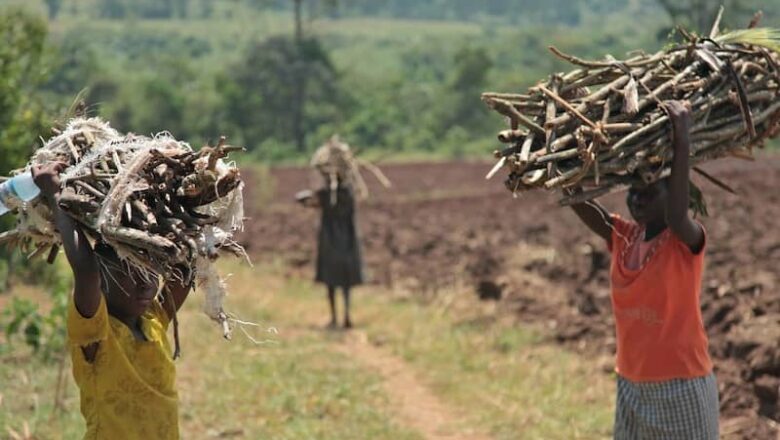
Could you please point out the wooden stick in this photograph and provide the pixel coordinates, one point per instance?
(594, 79)
(641, 132)
(596, 64)
(562, 102)
(716, 26)
(525, 151)
(141, 239)
(506, 96)
(714, 180)
(506, 108)
(744, 105)
(89, 188)
(496, 168)
(73, 151)
(559, 155)
(145, 212)
(507, 136)
(117, 161)
(562, 178)
(598, 96)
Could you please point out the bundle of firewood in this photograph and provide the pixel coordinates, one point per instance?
(603, 127)
(336, 162)
(161, 205)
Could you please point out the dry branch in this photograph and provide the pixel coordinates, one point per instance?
(163, 206)
(602, 126)
(336, 162)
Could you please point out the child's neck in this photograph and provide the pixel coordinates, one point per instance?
(133, 323)
(653, 229)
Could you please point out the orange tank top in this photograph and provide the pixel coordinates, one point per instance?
(655, 298)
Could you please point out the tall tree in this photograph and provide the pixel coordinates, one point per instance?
(21, 72)
(299, 74)
(22, 115)
(54, 8)
(468, 79)
(112, 9)
(298, 20)
(182, 8)
(205, 9)
(261, 90)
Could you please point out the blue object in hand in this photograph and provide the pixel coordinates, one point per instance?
(17, 189)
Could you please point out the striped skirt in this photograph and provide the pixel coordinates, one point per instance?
(684, 409)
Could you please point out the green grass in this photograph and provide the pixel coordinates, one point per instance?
(501, 376)
(507, 378)
(297, 389)
(509, 381)
(27, 388)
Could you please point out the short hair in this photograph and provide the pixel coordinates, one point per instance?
(104, 250)
(108, 256)
(109, 260)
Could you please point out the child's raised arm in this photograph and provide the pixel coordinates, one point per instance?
(81, 257)
(677, 218)
(595, 217)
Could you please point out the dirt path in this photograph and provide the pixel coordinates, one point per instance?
(415, 404)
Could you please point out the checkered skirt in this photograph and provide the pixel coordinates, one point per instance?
(684, 409)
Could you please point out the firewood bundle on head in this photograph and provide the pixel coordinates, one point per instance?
(603, 127)
(337, 164)
(166, 209)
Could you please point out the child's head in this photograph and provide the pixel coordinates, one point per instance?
(647, 203)
(127, 293)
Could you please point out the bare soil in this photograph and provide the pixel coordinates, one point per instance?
(442, 224)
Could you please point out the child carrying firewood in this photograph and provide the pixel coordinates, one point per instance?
(666, 387)
(122, 362)
(339, 262)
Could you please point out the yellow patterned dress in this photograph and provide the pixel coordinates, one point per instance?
(129, 391)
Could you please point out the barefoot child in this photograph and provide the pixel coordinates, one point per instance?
(122, 362)
(339, 263)
(666, 388)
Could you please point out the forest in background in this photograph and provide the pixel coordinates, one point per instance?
(398, 78)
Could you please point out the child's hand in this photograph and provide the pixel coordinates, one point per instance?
(680, 114)
(47, 178)
(304, 196)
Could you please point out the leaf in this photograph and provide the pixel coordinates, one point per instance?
(13, 326)
(697, 202)
(32, 335)
(764, 37)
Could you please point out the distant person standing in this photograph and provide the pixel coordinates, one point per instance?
(339, 261)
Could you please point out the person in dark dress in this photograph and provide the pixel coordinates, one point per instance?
(339, 262)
